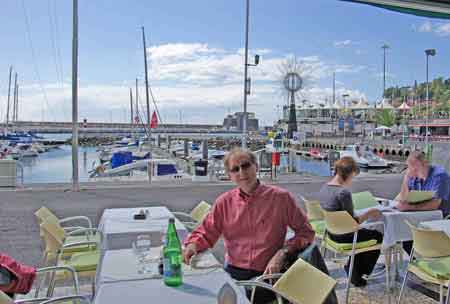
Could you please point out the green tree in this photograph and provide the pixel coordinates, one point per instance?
(385, 117)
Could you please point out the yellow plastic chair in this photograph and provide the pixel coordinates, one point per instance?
(84, 263)
(44, 213)
(341, 222)
(302, 283)
(430, 259)
(196, 216)
(315, 216)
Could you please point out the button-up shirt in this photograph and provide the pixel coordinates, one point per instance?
(253, 226)
(438, 180)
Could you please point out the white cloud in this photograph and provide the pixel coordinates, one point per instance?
(342, 43)
(440, 29)
(443, 29)
(201, 81)
(426, 27)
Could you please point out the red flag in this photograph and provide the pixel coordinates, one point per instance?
(154, 122)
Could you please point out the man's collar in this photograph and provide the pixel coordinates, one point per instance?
(244, 194)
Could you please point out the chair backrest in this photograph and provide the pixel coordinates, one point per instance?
(52, 239)
(200, 211)
(303, 283)
(430, 243)
(44, 213)
(340, 222)
(4, 299)
(313, 210)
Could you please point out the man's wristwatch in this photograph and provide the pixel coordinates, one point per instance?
(285, 251)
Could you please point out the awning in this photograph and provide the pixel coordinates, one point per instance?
(426, 8)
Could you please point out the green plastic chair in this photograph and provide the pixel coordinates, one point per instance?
(302, 283)
(340, 222)
(44, 213)
(429, 259)
(79, 235)
(4, 299)
(84, 263)
(315, 216)
(49, 271)
(196, 216)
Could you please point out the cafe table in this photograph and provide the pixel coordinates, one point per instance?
(121, 279)
(120, 228)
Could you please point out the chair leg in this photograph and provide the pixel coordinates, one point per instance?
(350, 272)
(403, 287)
(447, 301)
(441, 294)
(387, 260)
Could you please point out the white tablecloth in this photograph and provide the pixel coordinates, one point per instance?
(120, 229)
(443, 225)
(201, 289)
(395, 228)
(123, 265)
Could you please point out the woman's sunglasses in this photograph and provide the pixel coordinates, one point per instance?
(243, 166)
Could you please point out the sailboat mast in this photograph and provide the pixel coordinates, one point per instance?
(137, 99)
(16, 117)
(14, 98)
(131, 106)
(9, 95)
(146, 89)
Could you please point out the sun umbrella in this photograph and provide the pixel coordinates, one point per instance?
(426, 8)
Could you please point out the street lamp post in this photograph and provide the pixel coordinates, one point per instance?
(244, 121)
(246, 79)
(345, 111)
(384, 47)
(428, 53)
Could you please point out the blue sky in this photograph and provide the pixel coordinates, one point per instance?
(195, 54)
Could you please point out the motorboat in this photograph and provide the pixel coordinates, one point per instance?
(364, 157)
(159, 169)
(316, 154)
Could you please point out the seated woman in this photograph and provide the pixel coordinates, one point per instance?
(336, 196)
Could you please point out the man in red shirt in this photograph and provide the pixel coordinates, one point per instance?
(252, 219)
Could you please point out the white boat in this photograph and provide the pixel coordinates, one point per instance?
(363, 157)
(160, 169)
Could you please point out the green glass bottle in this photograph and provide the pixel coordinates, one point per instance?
(172, 257)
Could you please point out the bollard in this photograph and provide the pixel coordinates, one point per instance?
(186, 148)
(205, 149)
(150, 171)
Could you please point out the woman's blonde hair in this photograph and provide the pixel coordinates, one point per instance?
(345, 167)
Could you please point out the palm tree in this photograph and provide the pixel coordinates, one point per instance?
(385, 117)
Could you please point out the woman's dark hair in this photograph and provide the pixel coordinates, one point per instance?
(345, 167)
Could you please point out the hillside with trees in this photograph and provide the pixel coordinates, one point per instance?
(439, 92)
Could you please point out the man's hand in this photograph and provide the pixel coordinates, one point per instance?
(276, 263)
(374, 214)
(403, 206)
(188, 252)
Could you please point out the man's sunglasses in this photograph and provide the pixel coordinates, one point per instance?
(243, 166)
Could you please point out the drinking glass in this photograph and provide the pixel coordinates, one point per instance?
(141, 247)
